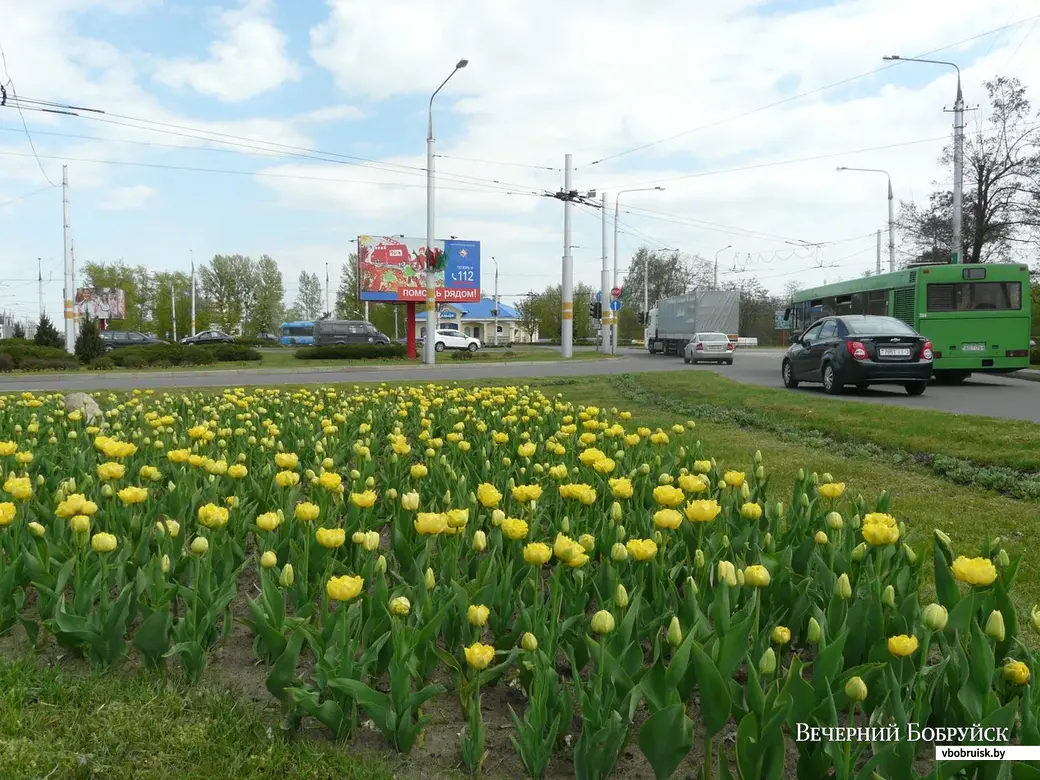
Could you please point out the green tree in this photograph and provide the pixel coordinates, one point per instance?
(1002, 186)
(47, 335)
(310, 297)
(18, 332)
(667, 274)
(88, 343)
(348, 307)
(229, 283)
(529, 310)
(266, 311)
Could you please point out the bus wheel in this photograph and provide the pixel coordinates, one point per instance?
(951, 377)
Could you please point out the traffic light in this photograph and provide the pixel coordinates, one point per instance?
(642, 318)
(596, 310)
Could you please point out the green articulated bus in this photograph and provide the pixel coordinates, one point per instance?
(976, 316)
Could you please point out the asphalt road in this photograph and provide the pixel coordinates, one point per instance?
(992, 396)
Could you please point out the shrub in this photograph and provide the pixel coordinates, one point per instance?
(89, 344)
(6, 363)
(1034, 356)
(103, 363)
(20, 350)
(19, 331)
(47, 335)
(229, 353)
(66, 363)
(162, 355)
(352, 352)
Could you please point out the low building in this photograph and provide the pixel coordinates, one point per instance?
(478, 320)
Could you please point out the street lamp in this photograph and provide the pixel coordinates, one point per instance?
(429, 345)
(716, 278)
(958, 154)
(496, 298)
(891, 213)
(646, 270)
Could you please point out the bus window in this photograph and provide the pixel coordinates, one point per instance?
(975, 296)
(843, 304)
(859, 303)
(877, 303)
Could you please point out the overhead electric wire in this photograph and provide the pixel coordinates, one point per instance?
(498, 162)
(815, 91)
(267, 174)
(25, 127)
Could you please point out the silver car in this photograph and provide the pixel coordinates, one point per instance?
(715, 347)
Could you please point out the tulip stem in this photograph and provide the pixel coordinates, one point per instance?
(848, 743)
(708, 744)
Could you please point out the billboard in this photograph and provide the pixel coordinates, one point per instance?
(101, 303)
(393, 269)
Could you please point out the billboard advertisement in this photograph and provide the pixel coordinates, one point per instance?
(393, 269)
(101, 303)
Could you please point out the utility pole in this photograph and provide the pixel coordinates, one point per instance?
(567, 289)
(39, 283)
(958, 174)
(192, 255)
(878, 269)
(70, 323)
(173, 311)
(495, 342)
(606, 314)
(75, 318)
(327, 288)
(891, 228)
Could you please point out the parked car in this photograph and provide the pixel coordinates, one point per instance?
(859, 350)
(270, 338)
(709, 346)
(328, 332)
(208, 337)
(455, 339)
(118, 339)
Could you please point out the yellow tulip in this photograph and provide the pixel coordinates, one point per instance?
(902, 645)
(479, 656)
(974, 571)
(344, 588)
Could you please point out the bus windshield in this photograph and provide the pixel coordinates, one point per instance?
(975, 296)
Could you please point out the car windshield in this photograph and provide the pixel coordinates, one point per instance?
(710, 337)
(878, 326)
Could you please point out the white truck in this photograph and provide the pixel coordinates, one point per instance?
(674, 321)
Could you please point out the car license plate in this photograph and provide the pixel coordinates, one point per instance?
(894, 351)
(974, 347)
(714, 347)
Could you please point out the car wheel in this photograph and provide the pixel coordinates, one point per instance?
(686, 360)
(915, 388)
(439, 346)
(729, 362)
(862, 386)
(787, 372)
(830, 380)
(472, 347)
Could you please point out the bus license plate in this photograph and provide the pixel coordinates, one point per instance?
(894, 351)
(974, 347)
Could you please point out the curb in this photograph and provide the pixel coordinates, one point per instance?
(247, 372)
(1027, 375)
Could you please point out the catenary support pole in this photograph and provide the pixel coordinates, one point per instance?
(70, 325)
(878, 269)
(192, 255)
(567, 296)
(606, 314)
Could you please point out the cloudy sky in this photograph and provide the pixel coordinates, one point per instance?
(289, 128)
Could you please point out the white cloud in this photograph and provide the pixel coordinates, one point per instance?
(249, 59)
(597, 78)
(133, 198)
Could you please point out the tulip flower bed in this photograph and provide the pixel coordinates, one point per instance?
(389, 546)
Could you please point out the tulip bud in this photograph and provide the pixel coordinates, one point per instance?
(804, 500)
(358, 537)
(758, 456)
(371, 541)
(801, 475)
(479, 541)
(760, 473)
(400, 606)
(621, 597)
(529, 642)
(911, 556)
(602, 622)
(565, 524)
(287, 577)
(767, 540)
(620, 533)
(820, 538)
(200, 545)
(355, 474)
(835, 521)
(814, 632)
(164, 564)
(767, 663)
(497, 517)
(855, 522)
(727, 573)
(429, 580)
(644, 469)
(588, 542)
(107, 491)
(725, 541)
(370, 482)
(888, 597)
(856, 689)
(779, 508)
(698, 558)
(740, 578)
(859, 551)
(935, 617)
(615, 511)
(618, 552)
(826, 477)
(36, 529)
(381, 564)
(674, 635)
(995, 625)
(1003, 560)
(844, 587)
(1034, 615)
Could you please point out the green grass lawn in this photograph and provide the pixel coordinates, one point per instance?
(1011, 443)
(56, 723)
